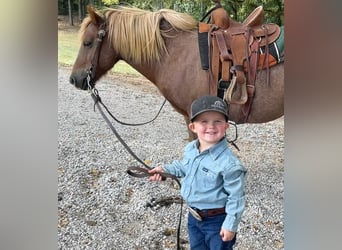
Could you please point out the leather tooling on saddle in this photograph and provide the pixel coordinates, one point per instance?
(236, 51)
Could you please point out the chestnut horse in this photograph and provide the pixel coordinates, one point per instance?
(163, 46)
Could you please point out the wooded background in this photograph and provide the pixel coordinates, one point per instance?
(237, 9)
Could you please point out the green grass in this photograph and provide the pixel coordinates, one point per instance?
(68, 46)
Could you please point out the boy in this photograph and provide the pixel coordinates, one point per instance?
(213, 178)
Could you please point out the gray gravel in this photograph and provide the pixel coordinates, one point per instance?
(101, 207)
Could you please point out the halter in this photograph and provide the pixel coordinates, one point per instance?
(92, 69)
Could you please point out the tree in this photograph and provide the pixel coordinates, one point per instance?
(71, 20)
(110, 2)
(80, 10)
(237, 9)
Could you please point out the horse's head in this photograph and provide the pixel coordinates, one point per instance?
(96, 55)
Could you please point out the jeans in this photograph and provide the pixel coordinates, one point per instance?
(205, 234)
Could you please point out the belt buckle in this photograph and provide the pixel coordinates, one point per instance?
(195, 214)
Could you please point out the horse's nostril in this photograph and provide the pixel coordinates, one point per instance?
(72, 80)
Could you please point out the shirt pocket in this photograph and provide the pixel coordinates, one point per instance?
(208, 177)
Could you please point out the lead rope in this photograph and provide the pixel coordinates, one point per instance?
(133, 171)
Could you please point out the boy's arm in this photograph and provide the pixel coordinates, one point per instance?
(234, 182)
(176, 168)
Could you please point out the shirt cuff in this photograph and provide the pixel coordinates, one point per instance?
(231, 223)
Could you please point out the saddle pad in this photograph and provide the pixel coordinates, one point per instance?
(273, 50)
(276, 49)
(280, 40)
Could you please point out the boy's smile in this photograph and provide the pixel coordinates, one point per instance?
(210, 128)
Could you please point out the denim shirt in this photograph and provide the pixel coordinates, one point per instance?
(213, 178)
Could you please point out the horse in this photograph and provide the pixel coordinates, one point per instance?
(163, 46)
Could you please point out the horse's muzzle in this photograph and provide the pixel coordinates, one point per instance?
(79, 81)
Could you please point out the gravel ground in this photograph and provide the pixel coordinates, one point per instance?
(101, 207)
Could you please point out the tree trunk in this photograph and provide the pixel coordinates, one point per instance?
(71, 20)
(160, 4)
(80, 10)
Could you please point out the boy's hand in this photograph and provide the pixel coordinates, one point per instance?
(156, 176)
(226, 235)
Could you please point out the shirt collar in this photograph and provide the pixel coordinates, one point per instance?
(216, 149)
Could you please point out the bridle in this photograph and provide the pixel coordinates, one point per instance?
(94, 63)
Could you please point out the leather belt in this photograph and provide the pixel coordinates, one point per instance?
(200, 214)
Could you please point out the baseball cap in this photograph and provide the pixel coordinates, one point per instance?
(208, 103)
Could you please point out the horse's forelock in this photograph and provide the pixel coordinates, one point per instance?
(86, 21)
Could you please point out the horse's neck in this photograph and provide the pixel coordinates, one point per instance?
(182, 56)
(178, 76)
(147, 71)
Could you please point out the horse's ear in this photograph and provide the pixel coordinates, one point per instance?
(95, 18)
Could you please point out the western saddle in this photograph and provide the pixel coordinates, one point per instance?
(234, 56)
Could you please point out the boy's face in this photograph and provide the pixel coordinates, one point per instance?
(209, 126)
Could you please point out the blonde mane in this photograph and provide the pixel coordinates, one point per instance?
(136, 33)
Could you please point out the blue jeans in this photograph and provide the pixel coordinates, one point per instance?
(205, 234)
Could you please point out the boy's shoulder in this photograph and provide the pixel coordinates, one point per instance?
(191, 145)
(232, 160)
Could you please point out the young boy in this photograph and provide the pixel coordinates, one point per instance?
(213, 178)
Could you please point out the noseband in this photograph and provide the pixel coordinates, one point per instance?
(92, 69)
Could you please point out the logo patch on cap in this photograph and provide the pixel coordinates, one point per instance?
(208, 103)
(218, 104)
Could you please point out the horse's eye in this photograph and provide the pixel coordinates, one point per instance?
(87, 44)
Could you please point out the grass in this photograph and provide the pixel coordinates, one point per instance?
(68, 46)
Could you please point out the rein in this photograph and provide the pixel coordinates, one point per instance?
(138, 172)
(130, 124)
(91, 72)
(133, 171)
